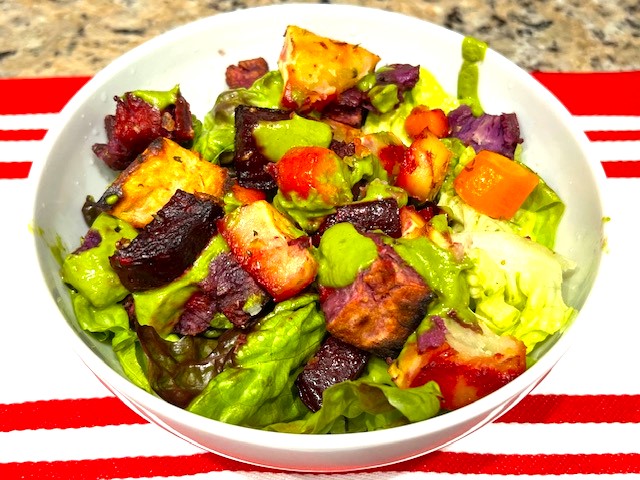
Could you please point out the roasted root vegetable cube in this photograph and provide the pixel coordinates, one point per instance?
(424, 167)
(495, 185)
(305, 169)
(269, 246)
(423, 117)
(467, 362)
(169, 244)
(381, 308)
(316, 69)
(148, 183)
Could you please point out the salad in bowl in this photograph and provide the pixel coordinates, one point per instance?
(338, 245)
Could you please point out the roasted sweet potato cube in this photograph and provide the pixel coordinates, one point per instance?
(269, 246)
(381, 308)
(316, 69)
(148, 183)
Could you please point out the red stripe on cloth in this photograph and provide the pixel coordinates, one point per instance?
(92, 412)
(613, 135)
(437, 462)
(14, 170)
(76, 413)
(594, 93)
(622, 169)
(12, 135)
(575, 409)
(37, 95)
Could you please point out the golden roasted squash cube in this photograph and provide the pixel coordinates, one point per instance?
(148, 183)
(315, 69)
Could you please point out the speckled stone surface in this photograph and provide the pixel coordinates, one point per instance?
(79, 37)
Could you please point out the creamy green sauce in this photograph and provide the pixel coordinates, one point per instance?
(157, 98)
(342, 253)
(276, 138)
(473, 52)
(440, 270)
(90, 273)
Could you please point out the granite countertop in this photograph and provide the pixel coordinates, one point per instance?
(79, 37)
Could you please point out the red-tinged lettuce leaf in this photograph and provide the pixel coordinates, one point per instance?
(372, 402)
(179, 371)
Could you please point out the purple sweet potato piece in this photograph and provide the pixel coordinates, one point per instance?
(402, 75)
(335, 362)
(497, 133)
(249, 161)
(169, 244)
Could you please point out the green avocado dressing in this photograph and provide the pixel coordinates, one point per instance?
(158, 98)
(161, 307)
(473, 52)
(275, 138)
(90, 273)
(342, 253)
(442, 272)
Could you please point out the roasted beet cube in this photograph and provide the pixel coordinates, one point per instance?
(249, 160)
(136, 123)
(381, 308)
(227, 289)
(168, 245)
(383, 215)
(246, 72)
(335, 362)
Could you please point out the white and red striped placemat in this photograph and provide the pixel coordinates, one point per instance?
(57, 421)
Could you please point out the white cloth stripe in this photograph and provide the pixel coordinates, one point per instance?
(607, 122)
(21, 151)
(143, 440)
(627, 150)
(579, 438)
(32, 121)
(91, 443)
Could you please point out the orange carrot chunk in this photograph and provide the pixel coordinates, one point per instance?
(495, 185)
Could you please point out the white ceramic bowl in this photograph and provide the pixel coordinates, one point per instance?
(195, 56)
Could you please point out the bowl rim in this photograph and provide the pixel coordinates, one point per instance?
(120, 386)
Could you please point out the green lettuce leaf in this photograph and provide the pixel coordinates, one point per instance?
(538, 217)
(259, 389)
(516, 285)
(372, 402)
(215, 135)
(89, 272)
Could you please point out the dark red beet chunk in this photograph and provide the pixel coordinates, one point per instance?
(169, 244)
(335, 362)
(383, 215)
(348, 108)
(249, 161)
(137, 123)
(226, 289)
(246, 72)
